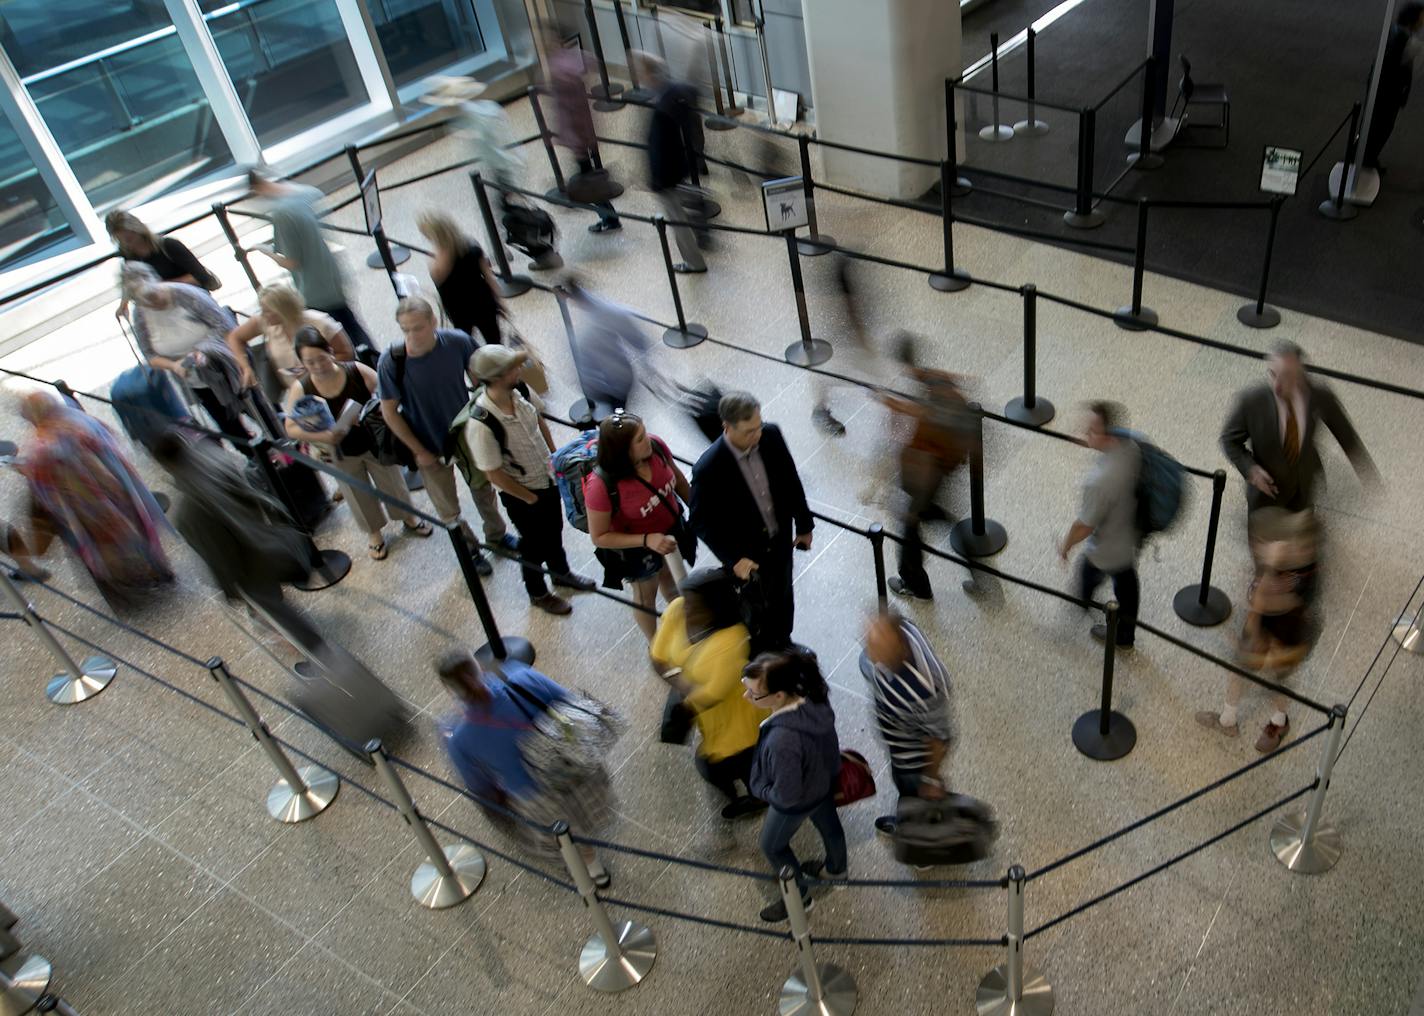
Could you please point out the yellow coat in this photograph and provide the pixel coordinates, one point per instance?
(727, 722)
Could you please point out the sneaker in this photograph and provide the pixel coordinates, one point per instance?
(742, 807)
(509, 542)
(817, 869)
(900, 587)
(1211, 719)
(605, 226)
(775, 913)
(552, 603)
(1272, 736)
(575, 582)
(885, 825)
(1100, 632)
(826, 422)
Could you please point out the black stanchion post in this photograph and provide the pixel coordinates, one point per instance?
(1031, 126)
(1202, 604)
(685, 335)
(962, 186)
(1145, 158)
(385, 251)
(714, 121)
(581, 412)
(995, 130)
(1030, 408)
(815, 243)
(732, 108)
(1101, 733)
(331, 565)
(1258, 315)
(877, 548)
(1135, 317)
(1083, 214)
(559, 189)
(499, 647)
(397, 254)
(238, 251)
(951, 280)
(506, 282)
(977, 536)
(1336, 207)
(637, 93)
(605, 91)
(808, 352)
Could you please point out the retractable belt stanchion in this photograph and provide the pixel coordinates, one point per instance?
(1145, 158)
(714, 121)
(499, 647)
(685, 335)
(1299, 839)
(615, 957)
(298, 794)
(331, 565)
(1202, 604)
(73, 683)
(961, 185)
(1407, 632)
(558, 191)
(882, 593)
(452, 873)
(732, 108)
(808, 352)
(239, 252)
(814, 243)
(760, 25)
(1101, 733)
(24, 983)
(822, 989)
(605, 91)
(1011, 989)
(1135, 317)
(1258, 315)
(995, 131)
(636, 93)
(1029, 408)
(1083, 215)
(1335, 206)
(1031, 126)
(581, 412)
(951, 279)
(977, 536)
(506, 283)
(378, 259)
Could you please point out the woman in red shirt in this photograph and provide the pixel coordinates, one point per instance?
(635, 535)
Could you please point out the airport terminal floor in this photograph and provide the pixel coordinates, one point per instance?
(136, 845)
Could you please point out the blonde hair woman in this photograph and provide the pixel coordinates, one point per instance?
(282, 313)
(165, 255)
(462, 277)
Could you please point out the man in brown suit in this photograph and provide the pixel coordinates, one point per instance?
(1279, 421)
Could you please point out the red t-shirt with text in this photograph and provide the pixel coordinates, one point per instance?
(639, 510)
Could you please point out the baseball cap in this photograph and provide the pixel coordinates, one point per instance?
(493, 359)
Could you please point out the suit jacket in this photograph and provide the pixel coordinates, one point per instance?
(1255, 420)
(723, 512)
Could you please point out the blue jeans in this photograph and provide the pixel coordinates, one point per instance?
(780, 826)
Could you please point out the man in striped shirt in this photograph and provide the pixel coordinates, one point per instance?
(911, 689)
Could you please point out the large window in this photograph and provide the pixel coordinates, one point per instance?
(420, 37)
(31, 225)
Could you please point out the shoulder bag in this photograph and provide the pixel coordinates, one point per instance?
(570, 738)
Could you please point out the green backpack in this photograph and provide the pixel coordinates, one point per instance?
(459, 446)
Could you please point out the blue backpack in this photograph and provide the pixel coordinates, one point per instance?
(572, 462)
(1160, 488)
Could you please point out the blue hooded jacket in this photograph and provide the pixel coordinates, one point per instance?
(797, 758)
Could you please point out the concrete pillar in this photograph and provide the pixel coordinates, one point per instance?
(877, 80)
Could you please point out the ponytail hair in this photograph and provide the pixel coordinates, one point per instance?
(794, 671)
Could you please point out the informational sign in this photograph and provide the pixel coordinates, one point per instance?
(785, 202)
(1280, 170)
(371, 201)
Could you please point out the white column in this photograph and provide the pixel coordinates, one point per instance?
(217, 85)
(370, 57)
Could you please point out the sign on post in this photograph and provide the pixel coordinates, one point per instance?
(1280, 170)
(785, 202)
(371, 202)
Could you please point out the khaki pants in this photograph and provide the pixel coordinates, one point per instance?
(440, 485)
(368, 510)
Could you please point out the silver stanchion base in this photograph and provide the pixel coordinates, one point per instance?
(334, 566)
(838, 994)
(23, 979)
(1290, 848)
(1145, 162)
(815, 244)
(996, 132)
(1340, 213)
(436, 891)
(610, 972)
(685, 338)
(1078, 220)
(1268, 318)
(1031, 128)
(163, 501)
(952, 282)
(1089, 739)
(639, 95)
(1139, 321)
(287, 805)
(1361, 191)
(992, 998)
(96, 673)
(399, 256)
(1187, 603)
(581, 414)
(1035, 416)
(808, 354)
(607, 105)
(962, 186)
(967, 543)
(515, 648)
(1406, 632)
(515, 285)
(613, 90)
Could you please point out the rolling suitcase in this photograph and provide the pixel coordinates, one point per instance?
(301, 492)
(956, 830)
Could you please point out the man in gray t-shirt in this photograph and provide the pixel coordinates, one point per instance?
(1107, 520)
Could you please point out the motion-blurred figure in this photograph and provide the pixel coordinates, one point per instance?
(857, 358)
(84, 490)
(1396, 73)
(1280, 628)
(610, 348)
(463, 278)
(168, 256)
(573, 120)
(671, 149)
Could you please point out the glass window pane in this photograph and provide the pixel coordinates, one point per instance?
(422, 36)
(31, 224)
(290, 61)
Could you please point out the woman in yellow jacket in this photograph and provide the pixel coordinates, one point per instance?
(700, 648)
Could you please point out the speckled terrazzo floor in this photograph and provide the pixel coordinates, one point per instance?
(138, 856)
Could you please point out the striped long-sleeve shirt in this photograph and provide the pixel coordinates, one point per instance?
(912, 702)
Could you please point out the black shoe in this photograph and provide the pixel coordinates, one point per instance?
(742, 807)
(775, 913)
(827, 423)
(934, 513)
(900, 587)
(483, 568)
(885, 825)
(683, 268)
(817, 869)
(576, 582)
(1100, 632)
(605, 226)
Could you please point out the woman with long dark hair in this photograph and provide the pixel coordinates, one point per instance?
(462, 278)
(634, 502)
(797, 759)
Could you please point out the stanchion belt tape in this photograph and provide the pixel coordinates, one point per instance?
(1242, 672)
(1385, 642)
(1359, 718)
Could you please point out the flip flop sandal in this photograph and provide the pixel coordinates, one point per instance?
(421, 529)
(378, 551)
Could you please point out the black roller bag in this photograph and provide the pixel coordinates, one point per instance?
(956, 830)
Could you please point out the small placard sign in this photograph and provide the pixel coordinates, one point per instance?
(371, 201)
(1280, 170)
(785, 202)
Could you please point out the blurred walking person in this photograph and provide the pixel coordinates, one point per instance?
(166, 255)
(573, 119)
(463, 278)
(610, 349)
(670, 154)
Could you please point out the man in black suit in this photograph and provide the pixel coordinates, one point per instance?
(748, 505)
(1279, 421)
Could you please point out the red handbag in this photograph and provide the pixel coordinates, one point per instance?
(854, 781)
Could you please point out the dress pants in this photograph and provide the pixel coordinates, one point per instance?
(774, 607)
(541, 540)
(1125, 591)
